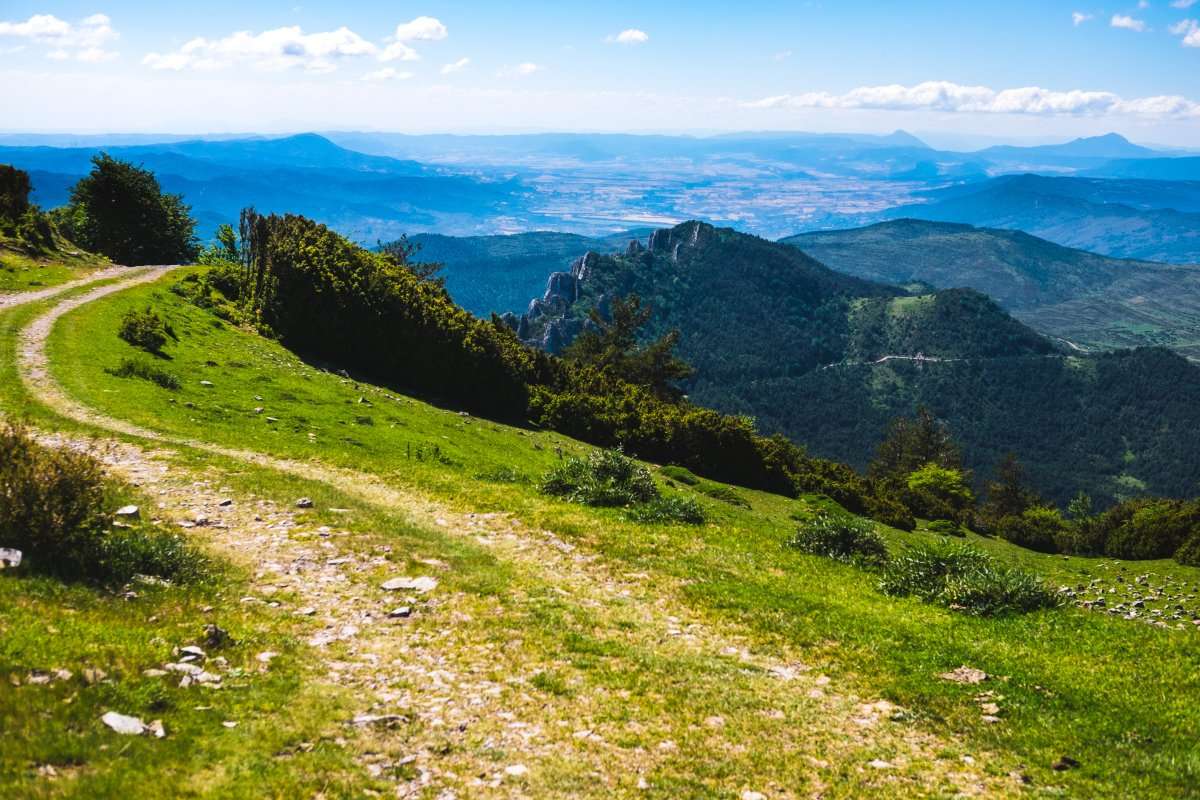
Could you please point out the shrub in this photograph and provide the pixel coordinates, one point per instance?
(840, 537)
(501, 475)
(1188, 553)
(938, 492)
(724, 494)
(890, 512)
(668, 509)
(964, 579)
(681, 474)
(1038, 528)
(604, 478)
(52, 508)
(944, 527)
(144, 329)
(135, 368)
(1154, 529)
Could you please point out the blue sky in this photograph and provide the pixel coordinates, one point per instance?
(1013, 69)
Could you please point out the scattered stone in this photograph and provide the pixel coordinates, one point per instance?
(154, 673)
(965, 674)
(126, 726)
(879, 763)
(516, 771)
(420, 584)
(304, 502)
(206, 384)
(272, 420)
(92, 675)
(9, 558)
(156, 729)
(128, 512)
(715, 722)
(378, 719)
(192, 650)
(400, 613)
(1065, 763)
(225, 503)
(266, 657)
(307, 611)
(229, 724)
(749, 795)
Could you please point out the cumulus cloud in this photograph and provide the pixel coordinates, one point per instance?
(1128, 23)
(1183, 3)
(628, 36)
(1078, 18)
(1189, 29)
(952, 97)
(421, 29)
(278, 49)
(455, 66)
(520, 70)
(86, 40)
(387, 74)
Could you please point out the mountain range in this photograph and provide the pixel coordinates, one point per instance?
(1087, 299)
(829, 359)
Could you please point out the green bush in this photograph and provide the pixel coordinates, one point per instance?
(52, 509)
(890, 512)
(964, 579)
(937, 492)
(665, 510)
(1188, 553)
(681, 474)
(1038, 528)
(144, 329)
(944, 527)
(840, 537)
(604, 478)
(1152, 529)
(135, 368)
(724, 494)
(501, 475)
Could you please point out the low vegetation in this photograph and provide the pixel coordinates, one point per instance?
(144, 370)
(842, 538)
(144, 330)
(965, 579)
(56, 508)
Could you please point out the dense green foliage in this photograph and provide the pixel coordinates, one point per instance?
(774, 334)
(144, 329)
(119, 210)
(22, 224)
(1037, 528)
(14, 193)
(965, 579)
(840, 537)
(604, 478)
(53, 505)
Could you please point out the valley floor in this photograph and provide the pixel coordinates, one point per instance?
(548, 651)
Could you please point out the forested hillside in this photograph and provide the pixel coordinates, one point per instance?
(775, 334)
(1091, 300)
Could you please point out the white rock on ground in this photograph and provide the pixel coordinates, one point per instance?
(421, 584)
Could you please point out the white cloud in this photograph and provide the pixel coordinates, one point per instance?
(278, 49)
(1128, 23)
(421, 29)
(1189, 29)
(952, 97)
(782, 55)
(85, 41)
(1143, 3)
(1183, 3)
(628, 36)
(520, 70)
(399, 51)
(456, 66)
(387, 74)
(1078, 18)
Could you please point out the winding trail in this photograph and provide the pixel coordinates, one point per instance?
(442, 669)
(14, 299)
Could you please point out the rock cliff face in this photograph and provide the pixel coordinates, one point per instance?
(546, 324)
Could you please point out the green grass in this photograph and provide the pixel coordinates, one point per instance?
(1121, 697)
(20, 271)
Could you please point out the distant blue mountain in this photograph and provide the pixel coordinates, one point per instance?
(366, 197)
(1148, 220)
(1186, 168)
(1108, 146)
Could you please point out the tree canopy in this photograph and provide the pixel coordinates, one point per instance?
(120, 210)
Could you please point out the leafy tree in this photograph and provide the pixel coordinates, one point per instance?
(14, 193)
(1010, 493)
(911, 444)
(401, 253)
(121, 211)
(226, 249)
(1080, 507)
(610, 345)
(939, 492)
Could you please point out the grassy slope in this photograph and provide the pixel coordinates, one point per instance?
(1118, 696)
(23, 269)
